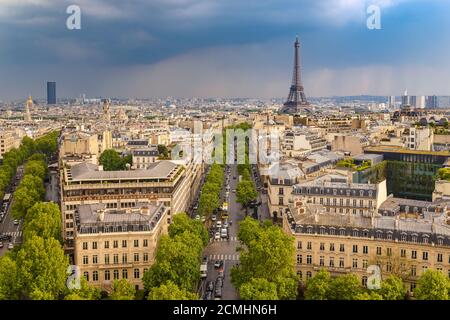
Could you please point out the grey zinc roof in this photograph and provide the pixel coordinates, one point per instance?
(157, 170)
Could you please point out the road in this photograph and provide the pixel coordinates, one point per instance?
(7, 226)
(226, 249)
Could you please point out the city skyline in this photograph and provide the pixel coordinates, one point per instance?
(223, 49)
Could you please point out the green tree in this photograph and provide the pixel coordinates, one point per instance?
(43, 220)
(268, 254)
(208, 203)
(9, 288)
(318, 287)
(23, 200)
(85, 292)
(249, 230)
(258, 289)
(245, 192)
(111, 160)
(163, 152)
(123, 290)
(345, 287)
(432, 285)
(392, 288)
(41, 265)
(182, 223)
(170, 291)
(36, 168)
(370, 295)
(177, 260)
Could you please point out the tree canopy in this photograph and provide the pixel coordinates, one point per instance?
(170, 291)
(44, 220)
(112, 161)
(122, 290)
(432, 285)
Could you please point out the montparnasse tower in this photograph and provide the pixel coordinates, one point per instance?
(28, 107)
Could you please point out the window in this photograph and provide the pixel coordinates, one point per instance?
(366, 249)
(124, 243)
(413, 254)
(389, 252)
(308, 274)
(355, 263)
(332, 248)
(106, 258)
(364, 281)
(116, 259)
(365, 264)
(116, 274)
(95, 276)
(94, 259)
(439, 257)
(85, 260)
(106, 244)
(136, 274)
(322, 246)
(136, 243)
(425, 255)
(389, 267)
(321, 261)
(331, 261)
(413, 271)
(379, 251)
(342, 247)
(136, 257)
(424, 268)
(281, 191)
(115, 244)
(145, 258)
(403, 253)
(403, 237)
(299, 259)
(94, 245)
(107, 275)
(309, 245)
(145, 243)
(299, 244)
(299, 273)
(389, 236)
(86, 275)
(425, 240)
(85, 245)
(342, 232)
(355, 248)
(309, 259)
(341, 262)
(124, 274)
(124, 258)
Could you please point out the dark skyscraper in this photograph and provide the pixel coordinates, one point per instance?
(432, 102)
(51, 92)
(296, 101)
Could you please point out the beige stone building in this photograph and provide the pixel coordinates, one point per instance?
(404, 237)
(163, 182)
(7, 142)
(114, 244)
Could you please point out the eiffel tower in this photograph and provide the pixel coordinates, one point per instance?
(296, 101)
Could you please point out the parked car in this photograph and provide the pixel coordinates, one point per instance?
(16, 222)
(208, 295)
(217, 236)
(197, 217)
(221, 275)
(1, 244)
(224, 233)
(225, 224)
(213, 217)
(219, 282)
(10, 246)
(218, 293)
(219, 224)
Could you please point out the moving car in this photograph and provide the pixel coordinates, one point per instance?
(10, 246)
(224, 233)
(217, 236)
(219, 224)
(218, 293)
(225, 224)
(219, 282)
(16, 222)
(213, 217)
(218, 264)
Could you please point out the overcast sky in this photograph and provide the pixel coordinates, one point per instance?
(226, 48)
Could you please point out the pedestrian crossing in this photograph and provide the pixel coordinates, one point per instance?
(223, 239)
(13, 234)
(226, 257)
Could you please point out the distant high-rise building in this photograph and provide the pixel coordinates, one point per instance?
(420, 102)
(405, 99)
(432, 102)
(51, 92)
(296, 101)
(391, 102)
(413, 101)
(106, 112)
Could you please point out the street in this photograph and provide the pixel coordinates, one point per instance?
(7, 226)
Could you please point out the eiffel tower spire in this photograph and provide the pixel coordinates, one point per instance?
(296, 100)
